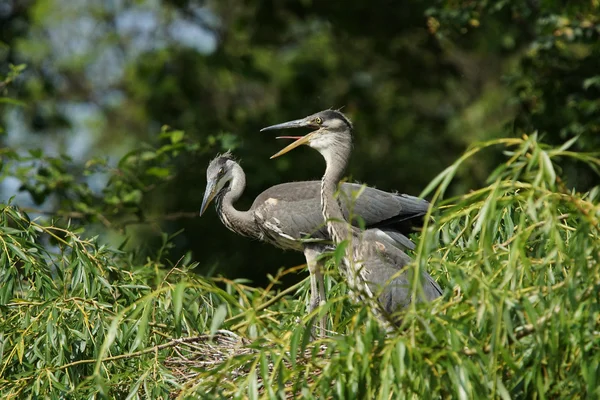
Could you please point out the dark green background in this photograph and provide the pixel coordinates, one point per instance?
(421, 80)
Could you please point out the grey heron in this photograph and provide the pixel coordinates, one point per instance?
(372, 266)
(285, 215)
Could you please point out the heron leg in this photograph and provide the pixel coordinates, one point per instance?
(322, 296)
(317, 284)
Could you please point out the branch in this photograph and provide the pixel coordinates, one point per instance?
(173, 342)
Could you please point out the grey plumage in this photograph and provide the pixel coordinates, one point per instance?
(284, 215)
(372, 266)
(299, 210)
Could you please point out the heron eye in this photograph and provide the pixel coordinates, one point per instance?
(319, 120)
(220, 170)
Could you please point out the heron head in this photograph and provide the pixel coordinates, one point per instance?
(218, 173)
(331, 130)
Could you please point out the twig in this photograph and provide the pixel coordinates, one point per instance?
(171, 343)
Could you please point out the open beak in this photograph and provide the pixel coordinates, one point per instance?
(300, 140)
(209, 195)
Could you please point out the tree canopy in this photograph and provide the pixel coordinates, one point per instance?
(421, 82)
(111, 284)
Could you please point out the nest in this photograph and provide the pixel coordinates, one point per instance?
(205, 352)
(196, 355)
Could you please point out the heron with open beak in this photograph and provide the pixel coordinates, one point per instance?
(373, 266)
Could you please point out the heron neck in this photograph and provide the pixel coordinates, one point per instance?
(330, 207)
(240, 222)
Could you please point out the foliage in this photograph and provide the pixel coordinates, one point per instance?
(555, 86)
(98, 295)
(518, 259)
(421, 82)
(13, 72)
(128, 187)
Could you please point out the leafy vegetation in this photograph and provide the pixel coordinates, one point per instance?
(100, 291)
(519, 260)
(421, 82)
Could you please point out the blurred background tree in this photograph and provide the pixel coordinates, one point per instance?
(420, 80)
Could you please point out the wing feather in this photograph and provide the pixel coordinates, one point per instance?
(297, 208)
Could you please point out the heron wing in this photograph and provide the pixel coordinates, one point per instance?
(291, 192)
(298, 208)
(394, 237)
(378, 208)
(389, 275)
(282, 221)
(373, 205)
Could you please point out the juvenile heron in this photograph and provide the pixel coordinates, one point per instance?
(284, 215)
(372, 266)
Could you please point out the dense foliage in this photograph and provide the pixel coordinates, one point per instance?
(421, 81)
(519, 260)
(106, 135)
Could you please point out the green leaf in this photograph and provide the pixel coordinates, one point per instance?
(340, 252)
(14, 102)
(252, 385)
(142, 326)
(593, 81)
(20, 349)
(178, 293)
(158, 172)
(133, 197)
(176, 136)
(218, 318)
(17, 250)
(548, 168)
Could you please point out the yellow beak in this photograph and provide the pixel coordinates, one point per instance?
(300, 141)
(297, 123)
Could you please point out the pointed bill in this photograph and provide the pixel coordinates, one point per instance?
(297, 123)
(209, 195)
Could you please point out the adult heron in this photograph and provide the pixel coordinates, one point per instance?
(289, 215)
(372, 266)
